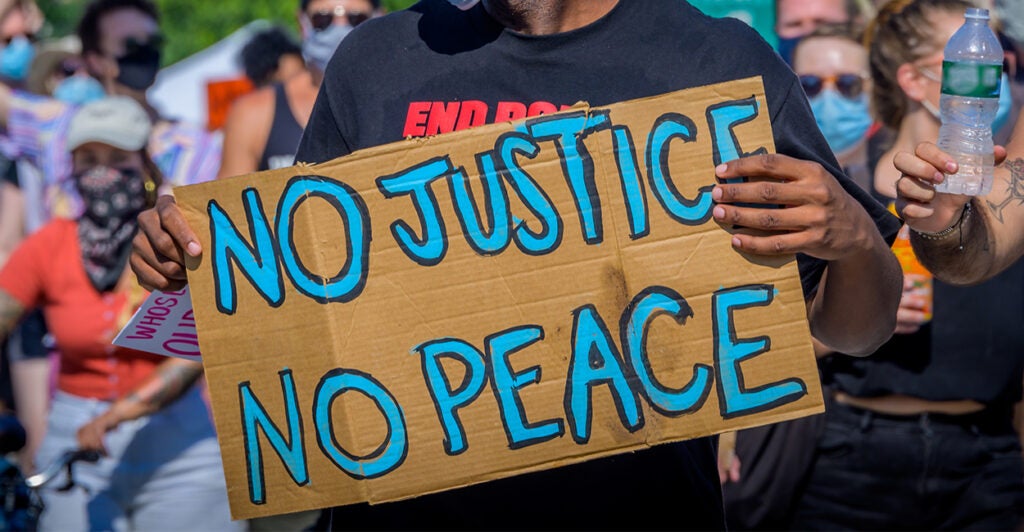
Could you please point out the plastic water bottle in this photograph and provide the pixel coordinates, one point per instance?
(971, 70)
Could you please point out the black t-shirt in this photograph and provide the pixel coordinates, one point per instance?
(390, 71)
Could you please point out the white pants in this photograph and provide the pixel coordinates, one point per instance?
(163, 472)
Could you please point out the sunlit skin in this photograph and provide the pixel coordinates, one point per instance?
(796, 18)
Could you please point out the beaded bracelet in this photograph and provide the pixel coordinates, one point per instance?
(942, 235)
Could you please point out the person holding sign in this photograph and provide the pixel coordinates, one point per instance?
(435, 68)
(76, 272)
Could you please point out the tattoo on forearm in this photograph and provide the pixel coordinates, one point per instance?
(1016, 188)
(170, 382)
(10, 313)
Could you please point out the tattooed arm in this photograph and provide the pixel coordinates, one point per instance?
(11, 312)
(989, 238)
(171, 379)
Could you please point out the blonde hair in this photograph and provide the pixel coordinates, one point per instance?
(901, 33)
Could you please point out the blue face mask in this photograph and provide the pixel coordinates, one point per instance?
(318, 48)
(1005, 104)
(16, 58)
(786, 48)
(79, 90)
(843, 121)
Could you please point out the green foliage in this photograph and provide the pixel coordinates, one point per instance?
(192, 25)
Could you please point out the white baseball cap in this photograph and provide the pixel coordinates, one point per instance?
(116, 120)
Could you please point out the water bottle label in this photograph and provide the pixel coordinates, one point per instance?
(971, 79)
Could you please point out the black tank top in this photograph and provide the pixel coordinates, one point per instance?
(285, 134)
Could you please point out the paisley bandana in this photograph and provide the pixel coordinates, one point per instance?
(113, 198)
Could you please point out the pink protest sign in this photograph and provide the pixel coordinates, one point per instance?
(163, 325)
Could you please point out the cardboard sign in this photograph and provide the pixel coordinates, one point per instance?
(163, 325)
(451, 310)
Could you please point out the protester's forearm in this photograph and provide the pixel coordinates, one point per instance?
(965, 256)
(988, 240)
(169, 381)
(854, 310)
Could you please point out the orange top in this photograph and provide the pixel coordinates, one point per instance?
(47, 271)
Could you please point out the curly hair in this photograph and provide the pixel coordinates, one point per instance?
(261, 55)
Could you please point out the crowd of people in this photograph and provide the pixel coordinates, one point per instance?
(923, 377)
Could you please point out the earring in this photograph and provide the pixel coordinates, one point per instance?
(150, 187)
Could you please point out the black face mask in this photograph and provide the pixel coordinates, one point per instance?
(139, 66)
(113, 198)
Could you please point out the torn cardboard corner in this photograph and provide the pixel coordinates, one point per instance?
(534, 294)
(163, 325)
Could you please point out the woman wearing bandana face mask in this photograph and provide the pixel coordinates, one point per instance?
(833, 70)
(262, 130)
(109, 398)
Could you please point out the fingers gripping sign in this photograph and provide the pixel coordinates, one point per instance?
(159, 250)
(790, 206)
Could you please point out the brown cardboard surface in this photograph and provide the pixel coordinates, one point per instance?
(288, 352)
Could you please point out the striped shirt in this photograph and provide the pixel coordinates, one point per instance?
(37, 129)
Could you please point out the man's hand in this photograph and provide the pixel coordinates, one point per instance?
(817, 216)
(917, 202)
(158, 257)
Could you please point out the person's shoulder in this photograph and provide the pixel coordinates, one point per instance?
(53, 234)
(253, 109)
(255, 100)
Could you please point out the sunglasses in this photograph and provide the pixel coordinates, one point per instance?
(70, 67)
(849, 85)
(30, 36)
(154, 41)
(321, 20)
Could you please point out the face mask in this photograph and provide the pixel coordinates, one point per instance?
(113, 199)
(1005, 104)
(16, 58)
(786, 48)
(110, 194)
(843, 121)
(318, 48)
(79, 90)
(138, 68)
(463, 4)
(932, 110)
